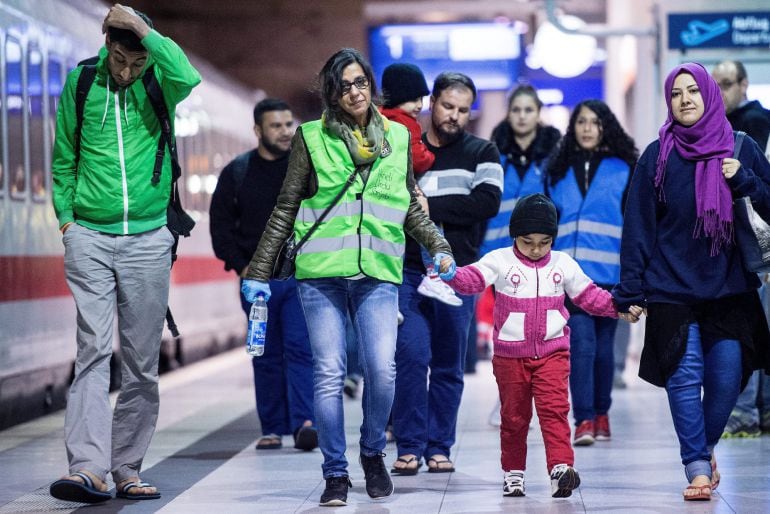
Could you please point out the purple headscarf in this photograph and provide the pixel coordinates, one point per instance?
(707, 141)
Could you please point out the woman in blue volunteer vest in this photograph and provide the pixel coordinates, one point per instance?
(524, 144)
(588, 178)
(352, 263)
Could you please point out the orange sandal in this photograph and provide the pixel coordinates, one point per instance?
(703, 494)
(715, 475)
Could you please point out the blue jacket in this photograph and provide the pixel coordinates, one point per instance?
(497, 234)
(590, 227)
(661, 261)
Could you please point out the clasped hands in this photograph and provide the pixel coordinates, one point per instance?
(633, 314)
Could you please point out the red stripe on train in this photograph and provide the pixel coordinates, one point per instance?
(37, 277)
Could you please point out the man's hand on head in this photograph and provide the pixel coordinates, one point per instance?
(123, 17)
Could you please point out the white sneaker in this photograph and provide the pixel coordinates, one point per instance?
(435, 288)
(564, 479)
(513, 483)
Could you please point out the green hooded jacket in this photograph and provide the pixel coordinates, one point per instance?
(112, 190)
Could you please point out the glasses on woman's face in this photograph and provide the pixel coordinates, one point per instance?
(361, 83)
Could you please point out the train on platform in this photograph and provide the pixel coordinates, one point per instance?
(40, 41)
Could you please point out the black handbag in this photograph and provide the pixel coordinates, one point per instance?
(752, 233)
(283, 266)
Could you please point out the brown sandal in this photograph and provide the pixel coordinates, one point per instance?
(406, 470)
(440, 465)
(703, 494)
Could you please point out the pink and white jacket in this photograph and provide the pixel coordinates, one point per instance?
(530, 320)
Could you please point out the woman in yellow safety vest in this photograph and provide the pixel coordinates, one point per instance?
(351, 263)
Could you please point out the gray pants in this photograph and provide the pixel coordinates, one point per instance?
(131, 273)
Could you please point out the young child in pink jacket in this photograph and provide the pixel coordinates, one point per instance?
(531, 338)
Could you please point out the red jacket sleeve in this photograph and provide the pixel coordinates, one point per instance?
(422, 158)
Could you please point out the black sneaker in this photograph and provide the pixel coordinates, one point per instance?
(336, 492)
(306, 438)
(378, 482)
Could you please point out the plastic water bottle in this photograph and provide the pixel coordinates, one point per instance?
(255, 340)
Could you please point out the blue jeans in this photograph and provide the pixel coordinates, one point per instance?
(592, 363)
(373, 307)
(282, 383)
(701, 393)
(753, 405)
(434, 335)
(354, 366)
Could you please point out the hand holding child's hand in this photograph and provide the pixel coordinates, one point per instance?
(445, 264)
(633, 314)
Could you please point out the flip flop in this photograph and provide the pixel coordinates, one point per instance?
(715, 475)
(81, 492)
(274, 444)
(703, 494)
(124, 491)
(406, 470)
(438, 468)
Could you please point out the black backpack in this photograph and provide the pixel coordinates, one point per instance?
(178, 221)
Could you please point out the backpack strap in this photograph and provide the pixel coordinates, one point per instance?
(739, 137)
(240, 167)
(155, 95)
(85, 80)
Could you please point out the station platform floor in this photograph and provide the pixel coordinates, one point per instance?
(203, 460)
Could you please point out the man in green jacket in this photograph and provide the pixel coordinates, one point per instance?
(112, 215)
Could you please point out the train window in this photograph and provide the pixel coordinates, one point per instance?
(3, 164)
(37, 149)
(17, 177)
(55, 85)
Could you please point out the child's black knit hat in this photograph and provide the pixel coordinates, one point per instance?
(534, 214)
(402, 82)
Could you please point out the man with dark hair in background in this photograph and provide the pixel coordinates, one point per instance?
(463, 188)
(245, 195)
(751, 415)
(117, 249)
(743, 114)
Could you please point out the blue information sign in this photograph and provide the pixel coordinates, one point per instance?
(719, 30)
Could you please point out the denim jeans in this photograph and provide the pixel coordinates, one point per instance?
(283, 386)
(373, 307)
(701, 393)
(433, 336)
(354, 366)
(753, 405)
(592, 340)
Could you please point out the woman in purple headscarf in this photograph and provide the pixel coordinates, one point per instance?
(705, 329)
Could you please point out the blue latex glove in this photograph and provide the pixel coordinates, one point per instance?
(253, 288)
(450, 273)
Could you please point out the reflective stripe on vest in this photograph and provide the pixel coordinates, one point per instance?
(590, 228)
(364, 232)
(498, 228)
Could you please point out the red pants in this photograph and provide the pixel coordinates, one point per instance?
(545, 380)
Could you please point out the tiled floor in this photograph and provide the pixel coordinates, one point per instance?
(203, 460)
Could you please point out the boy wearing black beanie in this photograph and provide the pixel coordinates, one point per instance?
(531, 338)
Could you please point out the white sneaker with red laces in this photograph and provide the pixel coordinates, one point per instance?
(435, 288)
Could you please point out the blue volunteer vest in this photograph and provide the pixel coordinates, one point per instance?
(590, 228)
(497, 235)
